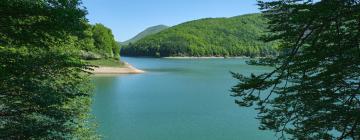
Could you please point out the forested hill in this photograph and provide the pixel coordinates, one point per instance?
(236, 36)
(98, 42)
(146, 32)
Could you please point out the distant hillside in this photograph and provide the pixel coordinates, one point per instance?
(236, 36)
(146, 32)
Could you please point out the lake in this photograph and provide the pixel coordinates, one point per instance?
(176, 99)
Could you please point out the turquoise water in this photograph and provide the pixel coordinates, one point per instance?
(176, 99)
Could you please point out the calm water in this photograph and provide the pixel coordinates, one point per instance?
(185, 99)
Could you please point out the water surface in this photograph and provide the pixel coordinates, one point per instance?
(176, 99)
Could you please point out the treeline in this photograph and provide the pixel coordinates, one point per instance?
(44, 91)
(98, 43)
(236, 36)
(146, 32)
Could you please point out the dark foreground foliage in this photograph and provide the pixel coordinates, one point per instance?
(44, 93)
(314, 91)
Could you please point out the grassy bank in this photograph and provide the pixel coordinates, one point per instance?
(107, 63)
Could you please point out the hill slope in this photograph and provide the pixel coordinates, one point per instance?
(236, 36)
(146, 32)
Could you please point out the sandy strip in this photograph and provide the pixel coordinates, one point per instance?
(127, 69)
(203, 57)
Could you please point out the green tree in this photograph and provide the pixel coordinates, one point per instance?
(44, 93)
(314, 91)
(105, 42)
(86, 41)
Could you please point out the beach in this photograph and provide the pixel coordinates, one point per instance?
(204, 57)
(127, 69)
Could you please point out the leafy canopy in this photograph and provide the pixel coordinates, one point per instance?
(44, 93)
(314, 91)
(104, 42)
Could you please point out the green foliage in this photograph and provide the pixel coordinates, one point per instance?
(44, 93)
(104, 41)
(236, 36)
(97, 42)
(86, 41)
(314, 91)
(23, 20)
(145, 33)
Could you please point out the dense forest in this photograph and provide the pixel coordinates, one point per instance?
(236, 36)
(313, 92)
(45, 90)
(98, 43)
(149, 31)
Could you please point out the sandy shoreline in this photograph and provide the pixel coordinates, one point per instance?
(204, 57)
(127, 69)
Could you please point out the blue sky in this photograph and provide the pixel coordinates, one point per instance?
(126, 18)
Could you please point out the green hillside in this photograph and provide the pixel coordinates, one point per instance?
(146, 32)
(236, 36)
(98, 46)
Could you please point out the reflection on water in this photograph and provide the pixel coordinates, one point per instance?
(166, 70)
(175, 99)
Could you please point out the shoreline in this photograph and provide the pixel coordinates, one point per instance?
(126, 69)
(205, 57)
